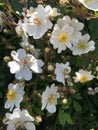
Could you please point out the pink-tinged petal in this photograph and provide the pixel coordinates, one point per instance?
(14, 66)
(51, 108)
(36, 66)
(30, 126)
(24, 73)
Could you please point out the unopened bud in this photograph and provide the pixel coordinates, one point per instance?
(97, 68)
(38, 119)
(64, 101)
(50, 67)
(47, 49)
(7, 58)
(5, 120)
(63, 2)
(72, 91)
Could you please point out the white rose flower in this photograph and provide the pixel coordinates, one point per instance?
(62, 72)
(39, 23)
(84, 45)
(14, 96)
(52, 12)
(83, 76)
(23, 64)
(20, 120)
(78, 26)
(74, 23)
(49, 98)
(90, 4)
(61, 37)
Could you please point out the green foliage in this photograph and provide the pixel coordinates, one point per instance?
(80, 112)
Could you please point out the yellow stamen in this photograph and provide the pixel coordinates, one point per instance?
(82, 45)
(65, 72)
(25, 61)
(37, 21)
(83, 79)
(20, 124)
(63, 37)
(51, 99)
(11, 95)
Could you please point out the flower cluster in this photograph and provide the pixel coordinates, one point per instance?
(25, 63)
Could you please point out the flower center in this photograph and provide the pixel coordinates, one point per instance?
(51, 99)
(11, 95)
(63, 37)
(20, 124)
(37, 21)
(25, 61)
(65, 71)
(83, 79)
(82, 45)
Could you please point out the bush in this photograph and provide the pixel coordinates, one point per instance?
(49, 70)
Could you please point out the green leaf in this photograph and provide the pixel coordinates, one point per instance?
(61, 118)
(64, 117)
(68, 118)
(77, 106)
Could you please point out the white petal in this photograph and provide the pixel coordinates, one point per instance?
(51, 108)
(30, 30)
(36, 66)
(26, 116)
(24, 73)
(14, 66)
(21, 54)
(11, 126)
(30, 126)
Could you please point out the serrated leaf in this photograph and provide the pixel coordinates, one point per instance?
(77, 106)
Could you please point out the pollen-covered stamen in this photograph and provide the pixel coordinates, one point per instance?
(37, 21)
(26, 61)
(65, 71)
(82, 45)
(63, 37)
(11, 95)
(83, 79)
(20, 124)
(52, 99)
